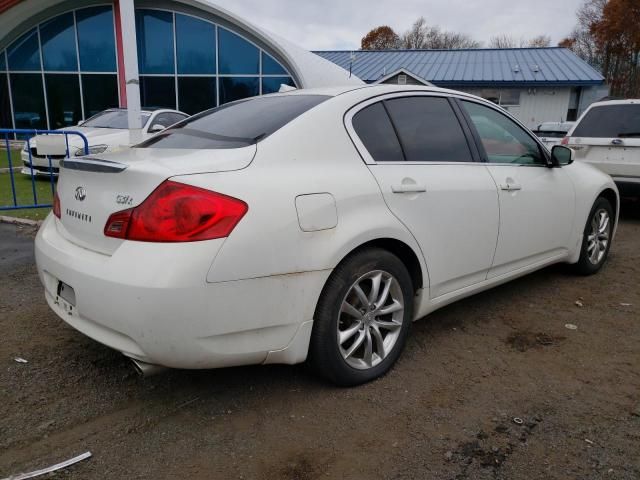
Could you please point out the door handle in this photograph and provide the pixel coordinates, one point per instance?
(617, 141)
(510, 187)
(408, 188)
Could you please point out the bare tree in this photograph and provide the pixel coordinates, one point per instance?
(423, 36)
(502, 41)
(540, 41)
(416, 37)
(381, 38)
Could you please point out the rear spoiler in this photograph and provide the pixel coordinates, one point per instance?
(93, 165)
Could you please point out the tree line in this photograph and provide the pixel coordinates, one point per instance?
(421, 35)
(607, 36)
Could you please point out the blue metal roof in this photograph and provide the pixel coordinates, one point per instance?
(551, 66)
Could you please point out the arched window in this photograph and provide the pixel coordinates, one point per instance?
(61, 71)
(193, 64)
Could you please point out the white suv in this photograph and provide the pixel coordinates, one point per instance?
(608, 137)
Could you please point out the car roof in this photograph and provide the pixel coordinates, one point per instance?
(378, 89)
(147, 110)
(631, 101)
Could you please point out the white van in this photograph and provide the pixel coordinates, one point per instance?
(608, 137)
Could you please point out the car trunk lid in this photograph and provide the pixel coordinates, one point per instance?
(90, 189)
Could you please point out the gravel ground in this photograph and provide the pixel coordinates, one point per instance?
(446, 411)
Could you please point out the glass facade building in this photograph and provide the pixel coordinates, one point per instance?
(66, 68)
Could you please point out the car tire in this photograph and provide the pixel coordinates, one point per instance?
(360, 330)
(596, 242)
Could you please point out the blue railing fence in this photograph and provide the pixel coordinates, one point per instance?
(7, 142)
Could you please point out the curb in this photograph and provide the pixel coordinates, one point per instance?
(20, 221)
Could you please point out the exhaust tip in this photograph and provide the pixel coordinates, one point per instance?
(146, 369)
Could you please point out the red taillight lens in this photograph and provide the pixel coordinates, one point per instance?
(56, 205)
(176, 212)
(565, 141)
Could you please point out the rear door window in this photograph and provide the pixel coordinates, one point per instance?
(373, 126)
(610, 121)
(429, 130)
(235, 125)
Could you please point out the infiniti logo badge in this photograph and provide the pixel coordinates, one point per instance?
(81, 194)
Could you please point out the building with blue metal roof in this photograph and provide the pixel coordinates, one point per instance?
(534, 84)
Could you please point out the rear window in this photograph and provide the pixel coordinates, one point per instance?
(236, 124)
(610, 121)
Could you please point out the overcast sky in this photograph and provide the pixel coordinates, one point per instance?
(340, 24)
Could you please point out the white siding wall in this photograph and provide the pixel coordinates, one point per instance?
(539, 105)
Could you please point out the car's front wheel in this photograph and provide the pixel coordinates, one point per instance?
(362, 318)
(598, 234)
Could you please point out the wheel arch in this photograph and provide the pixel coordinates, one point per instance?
(400, 249)
(610, 195)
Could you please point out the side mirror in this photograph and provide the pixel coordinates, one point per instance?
(156, 127)
(562, 156)
(81, 122)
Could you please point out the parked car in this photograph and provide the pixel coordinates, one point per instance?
(607, 136)
(315, 223)
(106, 131)
(552, 133)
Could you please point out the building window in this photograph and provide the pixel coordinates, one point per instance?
(273, 84)
(237, 56)
(24, 53)
(49, 88)
(5, 105)
(63, 100)
(99, 92)
(271, 67)
(158, 92)
(195, 45)
(28, 100)
(196, 94)
(96, 39)
(58, 39)
(154, 31)
(506, 97)
(212, 64)
(237, 88)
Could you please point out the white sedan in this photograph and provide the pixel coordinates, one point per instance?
(105, 131)
(313, 224)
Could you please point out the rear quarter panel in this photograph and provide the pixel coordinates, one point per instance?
(311, 155)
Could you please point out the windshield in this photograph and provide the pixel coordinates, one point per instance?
(236, 124)
(610, 121)
(113, 119)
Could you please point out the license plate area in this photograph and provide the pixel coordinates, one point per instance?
(66, 297)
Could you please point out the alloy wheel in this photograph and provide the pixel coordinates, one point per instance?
(599, 236)
(370, 319)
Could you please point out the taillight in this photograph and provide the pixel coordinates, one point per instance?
(565, 141)
(176, 212)
(56, 205)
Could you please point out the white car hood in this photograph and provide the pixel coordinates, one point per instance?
(116, 139)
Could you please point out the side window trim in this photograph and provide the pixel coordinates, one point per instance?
(474, 132)
(478, 140)
(472, 141)
(395, 128)
(476, 154)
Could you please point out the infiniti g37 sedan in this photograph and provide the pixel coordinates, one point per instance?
(315, 224)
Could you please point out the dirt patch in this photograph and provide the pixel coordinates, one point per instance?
(523, 341)
(463, 403)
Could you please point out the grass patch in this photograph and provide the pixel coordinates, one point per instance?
(16, 160)
(24, 195)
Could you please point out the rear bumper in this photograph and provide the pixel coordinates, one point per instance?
(177, 320)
